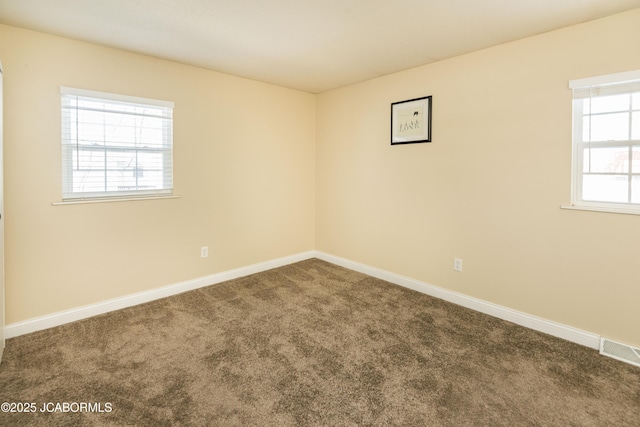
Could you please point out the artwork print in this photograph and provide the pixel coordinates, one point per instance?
(411, 121)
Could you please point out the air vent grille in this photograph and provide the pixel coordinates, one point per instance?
(620, 351)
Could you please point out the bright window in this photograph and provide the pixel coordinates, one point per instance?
(115, 145)
(606, 142)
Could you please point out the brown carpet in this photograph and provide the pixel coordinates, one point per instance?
(311, 344)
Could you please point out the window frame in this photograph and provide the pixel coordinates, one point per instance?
(164, 148)
(631, 81)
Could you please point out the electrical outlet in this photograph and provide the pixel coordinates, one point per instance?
(457, 264)
(204, 251)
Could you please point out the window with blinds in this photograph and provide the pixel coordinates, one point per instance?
(115, 146)
(606, 141)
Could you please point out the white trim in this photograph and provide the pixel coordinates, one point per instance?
(111, 199)
(79, 313)
(559, 330)
(115, 97)
(601, 209)
(623, 77)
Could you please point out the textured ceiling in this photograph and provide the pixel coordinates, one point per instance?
(311, 45)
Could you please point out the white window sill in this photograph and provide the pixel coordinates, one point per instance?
(109, 200)
(601, 209)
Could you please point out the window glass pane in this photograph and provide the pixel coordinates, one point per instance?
(635, 189)
(635, 157)
(91, 104)
(606, 127)
(611, 160)
(120, 130)
(150, 180)
(133, 131)
(150, 161)
(605, 188)
(636, 101)
(88, 160)
(88, 181)
(135, 170)
(150, 132)
(121, 161)
(90, 128)
(121, 180)
(604, 104)
(635, 125)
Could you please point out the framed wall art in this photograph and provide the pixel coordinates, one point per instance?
(411, 121)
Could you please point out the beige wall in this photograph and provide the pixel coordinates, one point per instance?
(244, 171)
(264, 172)
(489, 188)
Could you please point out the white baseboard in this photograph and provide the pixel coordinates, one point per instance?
(552, 328)
(79, 313)
(559, 330)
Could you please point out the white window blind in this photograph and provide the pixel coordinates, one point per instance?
(115, 145)
(606, 141)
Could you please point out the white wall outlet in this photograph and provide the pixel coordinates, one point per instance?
(457, 264)
(204, 251)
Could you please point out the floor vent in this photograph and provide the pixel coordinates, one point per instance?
(620, 351)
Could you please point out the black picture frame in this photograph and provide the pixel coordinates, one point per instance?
(411, 121)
